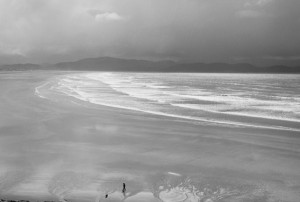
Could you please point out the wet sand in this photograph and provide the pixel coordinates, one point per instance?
(66, 149)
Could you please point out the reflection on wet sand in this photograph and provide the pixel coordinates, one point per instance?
(10, 179)
(64, 183)
(165, 187)
(174, 187)
(64, 149)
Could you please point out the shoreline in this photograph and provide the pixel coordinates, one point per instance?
(270, 123)
(62, 150)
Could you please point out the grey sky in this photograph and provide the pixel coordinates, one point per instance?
(255, 31)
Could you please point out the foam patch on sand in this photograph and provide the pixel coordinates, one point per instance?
(178, 188)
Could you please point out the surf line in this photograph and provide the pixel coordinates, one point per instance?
(190, 118)
(37, 90)
(233, 124)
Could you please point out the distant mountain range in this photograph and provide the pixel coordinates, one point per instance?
(117, 64)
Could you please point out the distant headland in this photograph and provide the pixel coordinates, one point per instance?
(131, 65)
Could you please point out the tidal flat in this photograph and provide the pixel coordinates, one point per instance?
(66, 149)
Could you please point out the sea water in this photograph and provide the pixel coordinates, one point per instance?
(236, 100)
(48, 148)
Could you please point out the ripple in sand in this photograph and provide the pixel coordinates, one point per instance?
(11, 179)
(64, 183)
(177, 188)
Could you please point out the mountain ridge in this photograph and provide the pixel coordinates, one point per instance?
(134, 65)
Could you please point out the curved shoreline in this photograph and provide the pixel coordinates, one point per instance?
(62, 151)
(53, 85)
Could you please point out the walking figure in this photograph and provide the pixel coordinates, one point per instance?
(124, 188)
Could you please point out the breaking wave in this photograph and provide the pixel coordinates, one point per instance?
(269, 101)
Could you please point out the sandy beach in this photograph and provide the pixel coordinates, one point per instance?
(67, 149)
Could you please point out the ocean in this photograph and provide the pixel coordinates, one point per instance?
(78, 136)
(235, 100)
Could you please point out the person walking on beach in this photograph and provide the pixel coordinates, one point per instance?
(124, 189)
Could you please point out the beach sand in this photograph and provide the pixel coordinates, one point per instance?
(66, 149)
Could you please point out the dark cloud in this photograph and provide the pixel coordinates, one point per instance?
(258, 31)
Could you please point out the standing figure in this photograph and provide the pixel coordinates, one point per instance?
(124, 188)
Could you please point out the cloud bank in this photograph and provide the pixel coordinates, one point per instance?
(255, 31)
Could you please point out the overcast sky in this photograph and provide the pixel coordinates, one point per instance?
(47, 31)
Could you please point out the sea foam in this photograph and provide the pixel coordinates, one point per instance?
(191, 97)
